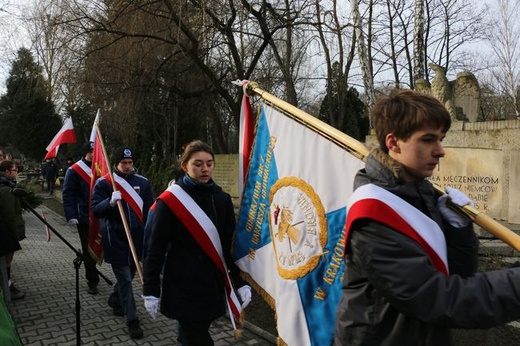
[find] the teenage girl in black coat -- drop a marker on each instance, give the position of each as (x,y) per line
(193,290)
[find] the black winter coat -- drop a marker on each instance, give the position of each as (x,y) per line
(393,295)
(76,196)
(10,218)
(192,286)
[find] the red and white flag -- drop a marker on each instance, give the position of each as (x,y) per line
(65,135)
(94,127)
(246,135)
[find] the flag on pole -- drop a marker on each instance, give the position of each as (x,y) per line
(93,132)
(246,134)
(291,225)
(65,135)
(99,169)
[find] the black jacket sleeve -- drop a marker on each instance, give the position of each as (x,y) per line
(158,244)
(401,271)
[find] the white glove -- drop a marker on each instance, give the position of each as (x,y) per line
(244,293)
(73,222)
(458,198)
(116,196)
(151,305)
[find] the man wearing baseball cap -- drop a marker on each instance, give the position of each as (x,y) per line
(76,203)
(134,193)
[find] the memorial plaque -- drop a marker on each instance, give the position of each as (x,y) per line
(226,173)
(478,173)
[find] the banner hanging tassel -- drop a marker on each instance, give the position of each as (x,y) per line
(47,230)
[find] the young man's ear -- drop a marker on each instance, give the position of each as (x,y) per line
(391,143)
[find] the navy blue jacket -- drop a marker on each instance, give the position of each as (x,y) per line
(76,196)
(115,242)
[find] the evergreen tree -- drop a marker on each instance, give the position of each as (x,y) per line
(28,121)
(343,109)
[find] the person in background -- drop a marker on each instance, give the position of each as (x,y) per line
(12,228)
(50,174)
(63,170)
(411,259)
(193,288)
(135,194)
(76,204)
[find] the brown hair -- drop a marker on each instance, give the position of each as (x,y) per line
(194,147)
(6,165)
(403,112)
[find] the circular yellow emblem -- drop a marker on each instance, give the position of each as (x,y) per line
(298,227)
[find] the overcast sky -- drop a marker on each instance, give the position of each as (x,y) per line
(13,35)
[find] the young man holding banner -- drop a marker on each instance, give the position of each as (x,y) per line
(135,194)
(411,260)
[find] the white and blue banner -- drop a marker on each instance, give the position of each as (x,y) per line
(290,235)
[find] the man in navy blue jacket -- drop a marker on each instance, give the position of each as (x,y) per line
(76,204)
(134,193)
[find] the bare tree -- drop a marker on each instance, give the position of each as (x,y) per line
(54,46)
(334,37)
(418,40)
(195,49)
(368,81)
(451,24)
(504,40)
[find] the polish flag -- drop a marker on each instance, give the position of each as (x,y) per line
(65,135)
(246,135)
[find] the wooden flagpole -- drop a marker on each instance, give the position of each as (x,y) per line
(359,150)
(121,211)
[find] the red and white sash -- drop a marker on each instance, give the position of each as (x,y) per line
(204,231)
(83,170)
(373,202)
(128,193)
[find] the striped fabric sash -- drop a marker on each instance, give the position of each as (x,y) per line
(204,231)
(373,202)
(83,170)
(128,193)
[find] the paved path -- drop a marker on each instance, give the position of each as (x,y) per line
(47,315)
